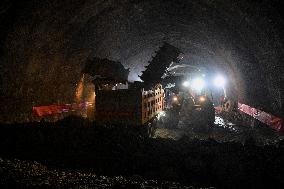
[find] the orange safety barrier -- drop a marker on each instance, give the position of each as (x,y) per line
(266,118)
(47,110)
(57,109)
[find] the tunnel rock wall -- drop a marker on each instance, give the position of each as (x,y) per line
(46,45)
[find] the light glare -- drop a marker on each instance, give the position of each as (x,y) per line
(198,84)
(219,81)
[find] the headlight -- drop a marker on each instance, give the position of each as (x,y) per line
(186,84)
(202,99)
(198,84)
(175,99)
(219,81)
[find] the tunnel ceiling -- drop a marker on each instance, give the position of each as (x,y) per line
(44,46)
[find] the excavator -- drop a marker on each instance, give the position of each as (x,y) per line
(190,99)
(187,95)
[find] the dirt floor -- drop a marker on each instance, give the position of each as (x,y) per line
(224,129)
(31,174)
(93,155)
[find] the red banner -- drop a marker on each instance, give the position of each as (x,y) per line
(266,118)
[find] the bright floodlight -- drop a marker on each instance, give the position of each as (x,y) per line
(198,84)
(186,84)
(219,81)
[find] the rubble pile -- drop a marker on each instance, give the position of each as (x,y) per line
(75,144)
(31,174)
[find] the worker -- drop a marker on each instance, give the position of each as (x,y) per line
(187,111)
(209,111)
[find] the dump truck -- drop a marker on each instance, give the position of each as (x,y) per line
(131,107)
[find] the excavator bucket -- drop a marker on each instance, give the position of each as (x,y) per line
(165,56)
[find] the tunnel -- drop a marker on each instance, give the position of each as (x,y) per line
(49,50)
(45,45)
